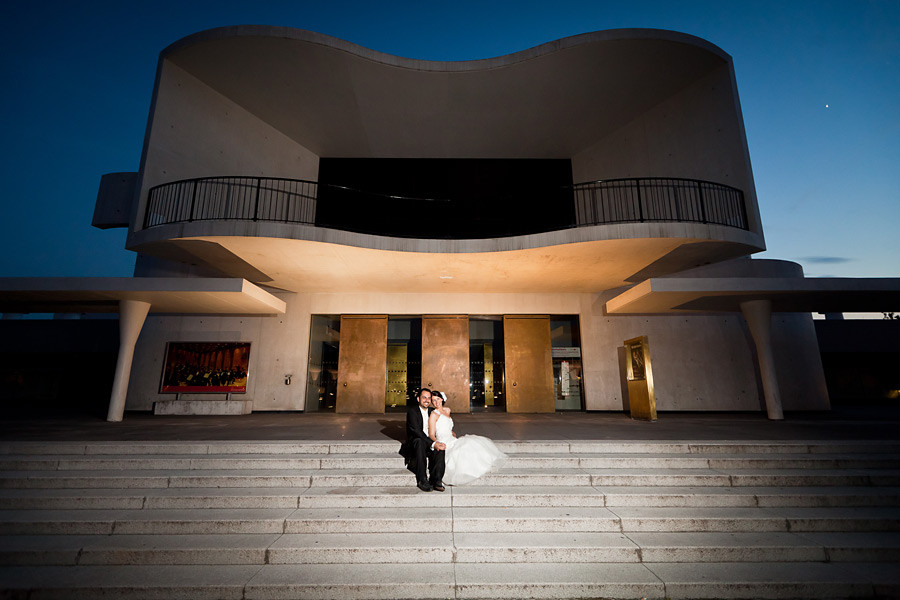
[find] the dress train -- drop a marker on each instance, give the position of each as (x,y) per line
(469,457)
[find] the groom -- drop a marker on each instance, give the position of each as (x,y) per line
(419,447)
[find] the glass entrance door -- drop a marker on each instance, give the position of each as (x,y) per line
(565,337)
(321,378)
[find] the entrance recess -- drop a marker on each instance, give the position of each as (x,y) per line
(486,364)
(529,364)
(362,364)
(445,358)
(404,362)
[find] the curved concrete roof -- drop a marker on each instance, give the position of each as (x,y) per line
(555,100)
(340,99)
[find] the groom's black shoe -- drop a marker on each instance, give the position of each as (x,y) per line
(439,486)
(424,486)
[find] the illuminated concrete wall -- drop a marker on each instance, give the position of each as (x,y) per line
(699,362)
(697,133)
(197,132)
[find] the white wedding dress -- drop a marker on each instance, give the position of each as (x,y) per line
(466,458)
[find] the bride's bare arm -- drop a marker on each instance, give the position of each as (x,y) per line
(432,432)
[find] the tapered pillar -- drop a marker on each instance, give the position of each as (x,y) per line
(758,314)
(132,314)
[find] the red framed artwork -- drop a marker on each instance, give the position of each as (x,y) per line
(206,367)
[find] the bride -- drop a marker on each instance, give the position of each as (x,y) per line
(467,458)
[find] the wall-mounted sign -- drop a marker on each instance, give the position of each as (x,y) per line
(636,354)
(566,352)
(206,367)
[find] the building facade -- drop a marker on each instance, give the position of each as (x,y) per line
(454,225)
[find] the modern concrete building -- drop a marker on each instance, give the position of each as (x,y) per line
(497,229)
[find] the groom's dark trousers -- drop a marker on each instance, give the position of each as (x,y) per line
(420,458)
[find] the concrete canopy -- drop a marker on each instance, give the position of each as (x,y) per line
(786,294)
(133,299)
(567,261)
(342,100)
(757,298)
(164,295)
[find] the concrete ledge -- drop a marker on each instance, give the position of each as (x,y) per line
(203,407)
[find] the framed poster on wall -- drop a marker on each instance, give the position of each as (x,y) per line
(205,367)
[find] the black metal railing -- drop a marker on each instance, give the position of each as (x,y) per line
(607,201)
(232,198)
(659,199)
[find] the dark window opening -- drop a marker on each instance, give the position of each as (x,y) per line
(445,198)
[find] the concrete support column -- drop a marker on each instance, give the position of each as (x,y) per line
(758,314)
(132,314)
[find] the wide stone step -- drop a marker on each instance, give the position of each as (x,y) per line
(47,499)
(445,547)
(402,477)
(664,547)
(741,478)
(177,462)
(423,520)
(688,519)
(157,479)
(363,548)
(196,448)
(796,496)
(155,522)
(606,461)
(842,448)
(462,580)
(662,580)
(354,478)
(196,549)
(443,518)
(344,520)
(410,497)
(799,477)
(148,448)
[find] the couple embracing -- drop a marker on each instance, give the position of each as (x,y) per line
(434,453)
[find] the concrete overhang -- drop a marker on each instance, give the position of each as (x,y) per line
(213,296)
(315,259)
(342,100)
(675,295)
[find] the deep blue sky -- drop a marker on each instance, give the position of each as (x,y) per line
(819,84)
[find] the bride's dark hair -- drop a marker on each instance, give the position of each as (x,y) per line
(439,395)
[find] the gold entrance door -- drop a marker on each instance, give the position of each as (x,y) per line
(362,364)
(445,358)
(529,364)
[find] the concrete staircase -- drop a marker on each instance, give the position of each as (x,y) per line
(344,520)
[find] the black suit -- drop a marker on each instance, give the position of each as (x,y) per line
(417,449)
